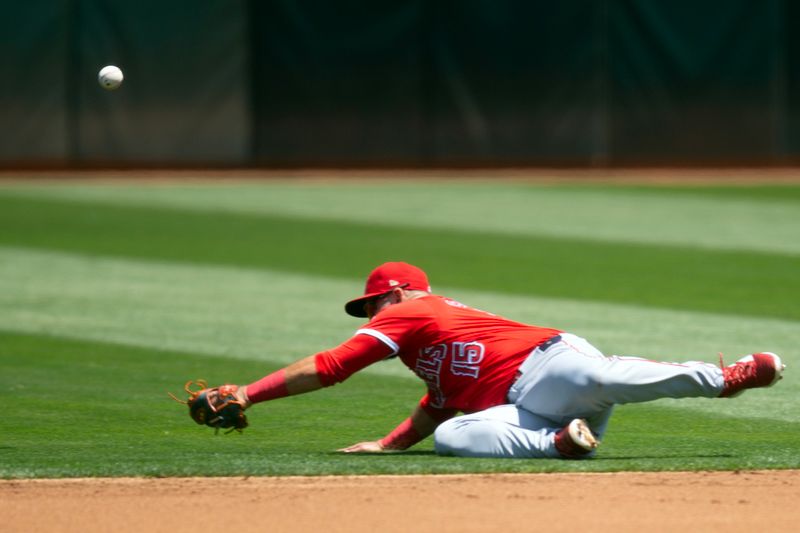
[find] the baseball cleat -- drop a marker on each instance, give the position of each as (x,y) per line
(576,440)
(752,371)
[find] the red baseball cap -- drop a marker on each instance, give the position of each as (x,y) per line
(385,278)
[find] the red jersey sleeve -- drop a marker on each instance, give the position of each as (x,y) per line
(402,326)
(338,364)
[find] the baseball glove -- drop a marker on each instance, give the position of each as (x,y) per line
(217,407)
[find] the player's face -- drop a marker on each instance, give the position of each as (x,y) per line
(378,304)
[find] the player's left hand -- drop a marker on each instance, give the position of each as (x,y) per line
(217,407)
(364,447)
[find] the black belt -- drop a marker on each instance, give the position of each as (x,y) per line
(549,342)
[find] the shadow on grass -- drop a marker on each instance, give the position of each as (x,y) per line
(602,458)
(383,454)
(664,456)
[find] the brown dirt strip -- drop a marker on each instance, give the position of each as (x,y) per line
(623,176)
(655,502)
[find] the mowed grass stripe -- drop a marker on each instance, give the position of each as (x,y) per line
(755,218)
(756,284)
(774,194)
(95,409)
(225,311)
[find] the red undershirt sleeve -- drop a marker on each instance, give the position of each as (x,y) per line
(360,351)
(269,387)
(437,414)
(402,437)
(406,435)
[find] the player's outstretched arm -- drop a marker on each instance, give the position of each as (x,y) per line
(297,378)
(317,371)
(308,374)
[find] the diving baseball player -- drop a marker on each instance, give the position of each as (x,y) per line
(524,390)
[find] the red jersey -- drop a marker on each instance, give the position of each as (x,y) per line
(467,357)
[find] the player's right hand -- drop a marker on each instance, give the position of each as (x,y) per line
(364,447)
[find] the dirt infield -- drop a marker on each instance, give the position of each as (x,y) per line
(727,176)
(703,501)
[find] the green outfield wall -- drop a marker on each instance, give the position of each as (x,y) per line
(282,83)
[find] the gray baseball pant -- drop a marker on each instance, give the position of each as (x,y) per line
(567,380)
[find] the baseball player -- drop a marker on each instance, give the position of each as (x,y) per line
(525,391)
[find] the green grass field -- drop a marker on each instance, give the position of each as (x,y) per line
(112,294)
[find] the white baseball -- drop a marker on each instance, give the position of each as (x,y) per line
(110,77)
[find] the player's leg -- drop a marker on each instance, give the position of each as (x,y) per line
(573,379)
(507,431)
